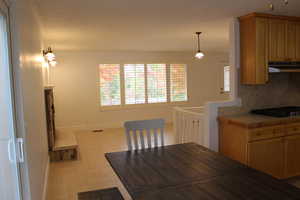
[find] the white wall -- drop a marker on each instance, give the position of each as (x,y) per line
(211,126)
(77,95)
(27,45)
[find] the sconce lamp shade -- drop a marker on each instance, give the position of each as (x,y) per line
(53,63)
(50,57)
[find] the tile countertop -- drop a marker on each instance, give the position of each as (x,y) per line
(256,121)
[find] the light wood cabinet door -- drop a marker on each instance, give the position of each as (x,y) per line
(267,156)
(261,52)
(293,41)
(277,40)
(254,50)
(292,156)
(236,148)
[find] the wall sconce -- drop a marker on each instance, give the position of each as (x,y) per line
(49,57)
(284,3)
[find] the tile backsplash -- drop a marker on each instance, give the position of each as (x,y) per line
(283,89)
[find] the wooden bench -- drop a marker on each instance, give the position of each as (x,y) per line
(65,146)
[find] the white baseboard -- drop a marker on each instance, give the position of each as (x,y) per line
(46,180)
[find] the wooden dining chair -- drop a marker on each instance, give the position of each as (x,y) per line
(144,129)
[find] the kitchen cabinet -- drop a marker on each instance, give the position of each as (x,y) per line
(254,50)
(235,149)
(266,38)
(293,41)
(284,40)
(261,156)
(268,147)
(277,40)
(292,155)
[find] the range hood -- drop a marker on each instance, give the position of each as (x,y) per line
(277,67)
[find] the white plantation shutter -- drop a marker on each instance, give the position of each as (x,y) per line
(131,84)
(227,79)
(156,83)
(178,82)
(110,92)
(134,77)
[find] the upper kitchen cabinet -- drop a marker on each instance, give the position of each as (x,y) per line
(266,38)
(277,40)
(284,40)
(254,49)
(293,41)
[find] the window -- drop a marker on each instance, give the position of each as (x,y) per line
(110,92)
(132,84)
(156,83)
(226,79)
(178,82)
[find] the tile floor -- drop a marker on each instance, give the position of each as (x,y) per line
(91,171)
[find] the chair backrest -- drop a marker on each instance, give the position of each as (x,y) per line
(144,129)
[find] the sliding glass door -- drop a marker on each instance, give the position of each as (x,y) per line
(9,173)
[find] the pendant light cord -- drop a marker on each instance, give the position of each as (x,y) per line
(198,43)
(198,35)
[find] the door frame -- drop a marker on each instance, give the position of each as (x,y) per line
(5,8)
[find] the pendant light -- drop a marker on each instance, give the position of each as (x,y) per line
(199,54)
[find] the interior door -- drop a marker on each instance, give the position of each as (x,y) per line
(9,173)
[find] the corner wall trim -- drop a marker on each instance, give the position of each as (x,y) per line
(46,180)
(211,127)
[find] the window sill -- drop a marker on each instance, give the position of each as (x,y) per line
(141,106)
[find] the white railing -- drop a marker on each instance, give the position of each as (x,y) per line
(189,124)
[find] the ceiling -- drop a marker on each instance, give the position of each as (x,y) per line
(145,25)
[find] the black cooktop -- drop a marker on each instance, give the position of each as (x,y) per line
(289,111)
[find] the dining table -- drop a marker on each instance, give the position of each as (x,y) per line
(193,172)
